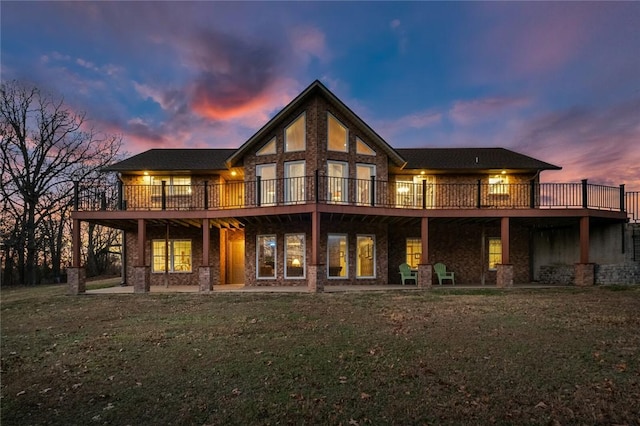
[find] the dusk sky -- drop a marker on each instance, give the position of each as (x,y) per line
(557,81)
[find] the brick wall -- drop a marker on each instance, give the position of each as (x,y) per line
(458,245)
(181,278)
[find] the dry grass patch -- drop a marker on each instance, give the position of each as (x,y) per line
(506,357)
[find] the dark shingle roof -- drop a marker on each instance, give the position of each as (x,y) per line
(470,159)
(187,159)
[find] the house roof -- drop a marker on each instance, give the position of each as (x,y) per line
(187,159)
(470,159)
(313,88)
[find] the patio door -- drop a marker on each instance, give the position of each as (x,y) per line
(236,262)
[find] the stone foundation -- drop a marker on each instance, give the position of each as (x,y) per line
(141,279)
(77,279)
(425,275)
(585,274)
(315,278)
(504,274)
(206,279)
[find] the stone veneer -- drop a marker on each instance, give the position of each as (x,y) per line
(504,275)
(425,275)
(77,280)
(585,274)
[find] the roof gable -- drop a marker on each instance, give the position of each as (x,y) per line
(316,88)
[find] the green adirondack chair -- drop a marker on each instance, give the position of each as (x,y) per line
(407,274)
(441,272)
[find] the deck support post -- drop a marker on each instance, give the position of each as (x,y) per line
(504,276)
(584,271)
(425,269)
(316,270)
(584,274)
(205,273)
(141,272)
(76,275)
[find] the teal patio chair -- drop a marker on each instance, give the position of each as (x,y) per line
(407,274)
(441,272)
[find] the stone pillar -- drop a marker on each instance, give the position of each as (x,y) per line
(585,274)
(315,278)
(77,280)
(206,279)
(141,279)
(504,275)
(425,275)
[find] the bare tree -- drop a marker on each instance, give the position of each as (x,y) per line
(45,148)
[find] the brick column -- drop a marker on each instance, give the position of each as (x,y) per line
(315,278)
(585,274)
(425,275)
(206,279)
(76,278)
(504,275)
(141,279)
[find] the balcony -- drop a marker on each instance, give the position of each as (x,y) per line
(356,192)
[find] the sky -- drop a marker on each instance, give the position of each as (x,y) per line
(559,81)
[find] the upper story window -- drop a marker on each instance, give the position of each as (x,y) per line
(268,184)
(175,185)
(363,148)
(295,135)
(268,148)
(337,136)
(499,184)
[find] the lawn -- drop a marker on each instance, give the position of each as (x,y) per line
(554,356)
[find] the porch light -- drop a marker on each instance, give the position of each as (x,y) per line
(422,172)
(233,173)
(504,172)
(146,173)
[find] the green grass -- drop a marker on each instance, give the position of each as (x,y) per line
(527,357)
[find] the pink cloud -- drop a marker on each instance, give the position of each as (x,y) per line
(308,42)
(470,112)
(532,38)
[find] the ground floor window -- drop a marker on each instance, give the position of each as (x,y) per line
(337,255)
(495,253)
(414,251)
(366,256)
(266,256)
(294,250)
(179,255)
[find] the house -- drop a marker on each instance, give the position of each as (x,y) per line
(316,198)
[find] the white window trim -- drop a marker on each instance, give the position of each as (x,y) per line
(275,148)
(303,261)
(171,256)
(287,182)
(373,237)
(489,239)
(344,194)
(263,199)
(346,145)
(304,138)
(346,256)
(275,257)
(371,167)
(371,154)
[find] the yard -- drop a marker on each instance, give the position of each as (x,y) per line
(554,356)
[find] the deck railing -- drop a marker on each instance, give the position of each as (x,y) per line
(361,192)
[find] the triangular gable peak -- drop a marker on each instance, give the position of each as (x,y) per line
(257,141)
